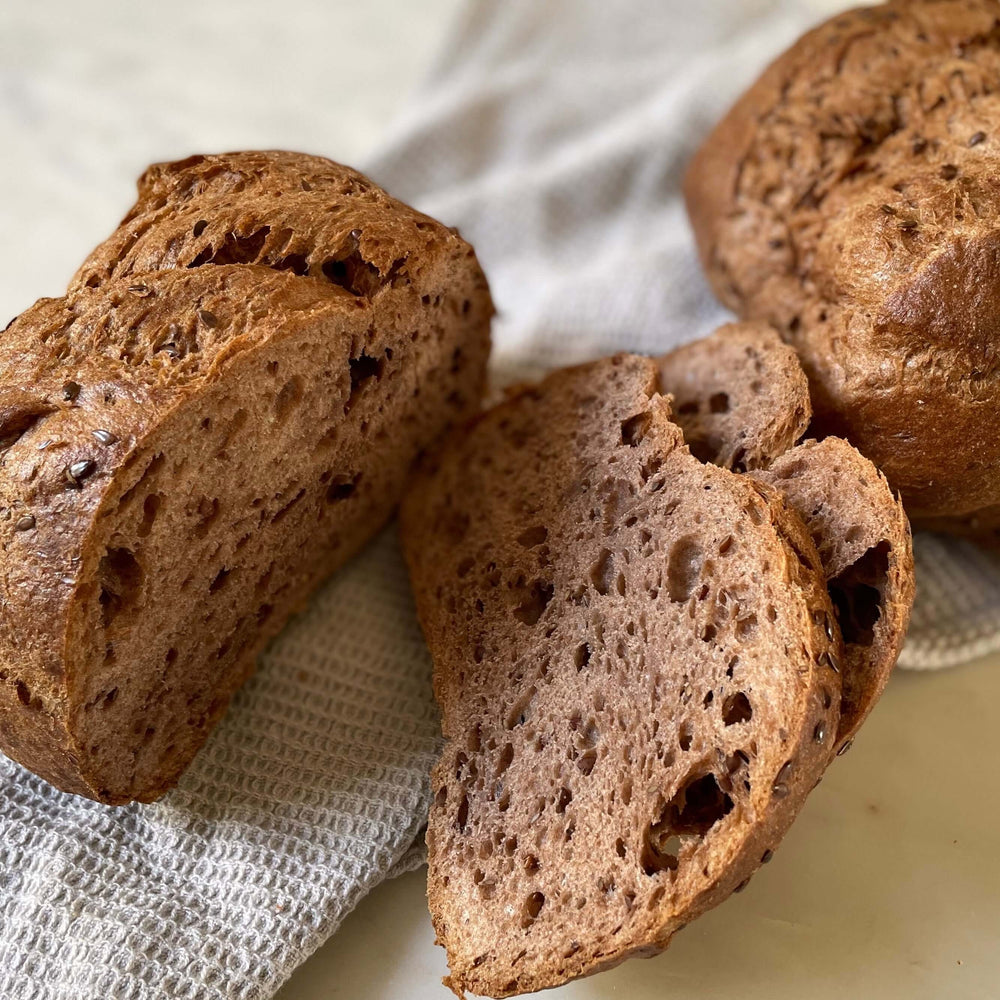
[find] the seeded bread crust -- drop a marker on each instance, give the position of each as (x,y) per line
(633,653)
(186,451)
(864,542)
(849,198)
(740,395)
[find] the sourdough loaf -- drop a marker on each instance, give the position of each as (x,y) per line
(190,446)
(635,659)
(850,199)
(742,393)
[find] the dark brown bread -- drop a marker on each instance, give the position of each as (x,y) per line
(634,656)
(858,525)
(186,453)
(740,395)
(863,539)
(850,199)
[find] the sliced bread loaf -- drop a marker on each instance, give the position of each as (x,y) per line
(743,390)
(740,395)
(187,452)
(634,655)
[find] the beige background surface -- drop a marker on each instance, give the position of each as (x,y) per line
(887,887)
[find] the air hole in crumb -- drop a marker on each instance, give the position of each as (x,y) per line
(341,487)
(221,578)
(533,606)
(691,813)
(363,369)
(685,736)
(521,709)
(746,628)
(587,762)
(634,429)
(620,847)
(736,709)
(506,758)
(582,656)
(533,536)
(857,595)
(718,403)
(462,816)
(23,693)
(684,568)
(532,907)
(120,578)
(601,572)
(564,799)
(287,399)
(207,511)
(150,508)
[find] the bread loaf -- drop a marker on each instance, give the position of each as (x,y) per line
(635,659)
(849,198)
(199,433)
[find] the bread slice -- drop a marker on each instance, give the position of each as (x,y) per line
(740,395)
(186,453)
(864,542)
(634,656)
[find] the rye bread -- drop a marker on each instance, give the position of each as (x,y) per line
(849,198)
(741,392)
(634,657)
(863,538)
(187,451)
(740,395)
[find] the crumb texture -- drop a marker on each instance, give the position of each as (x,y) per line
(189,443)
(740,395)
(634,655)
(850,199)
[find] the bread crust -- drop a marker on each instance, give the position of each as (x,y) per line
(849,199)
(99,385)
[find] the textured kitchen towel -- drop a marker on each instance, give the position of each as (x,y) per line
(311,791)
(555,133)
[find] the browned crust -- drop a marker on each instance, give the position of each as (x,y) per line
(124,334)
(848,199)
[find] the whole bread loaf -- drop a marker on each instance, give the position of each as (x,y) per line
(743,392)
(199,433)
(636,660)
(850,199)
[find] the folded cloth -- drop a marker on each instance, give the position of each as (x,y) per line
(555,133)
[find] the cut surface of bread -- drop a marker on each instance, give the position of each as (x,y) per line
(858,525)
(634,656)
(186,453)
(850,199)
(740,395)
(863,539)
